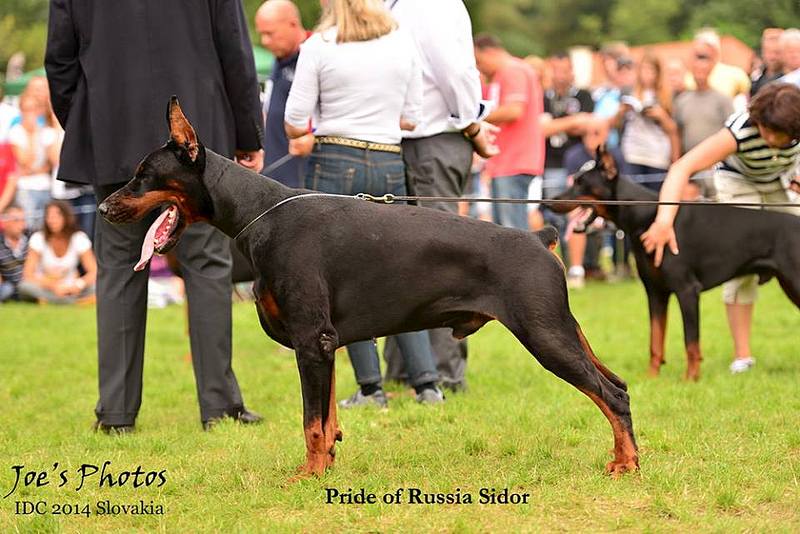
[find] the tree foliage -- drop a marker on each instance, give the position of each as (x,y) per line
(23,27)
(525,26)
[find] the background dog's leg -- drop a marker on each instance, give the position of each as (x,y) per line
(791,286)
(689,301)
(787,269)
(657,303)
(315,362)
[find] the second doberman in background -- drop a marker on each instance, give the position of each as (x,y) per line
(326,265)
(718,243)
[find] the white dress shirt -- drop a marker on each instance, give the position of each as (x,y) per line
(792,77)
(357,89)
(451,88)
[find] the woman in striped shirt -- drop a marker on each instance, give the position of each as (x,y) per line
(757,155)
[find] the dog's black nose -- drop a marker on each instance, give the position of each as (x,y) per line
(102,209)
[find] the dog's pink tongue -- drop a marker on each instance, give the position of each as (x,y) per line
(149,242)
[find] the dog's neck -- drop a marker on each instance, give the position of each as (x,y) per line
(238,194)
(632,218)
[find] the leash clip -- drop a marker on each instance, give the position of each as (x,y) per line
(388,198)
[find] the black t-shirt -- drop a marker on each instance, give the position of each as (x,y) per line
(574,101)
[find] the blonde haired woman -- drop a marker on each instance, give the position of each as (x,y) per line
(356,20)
(359,76)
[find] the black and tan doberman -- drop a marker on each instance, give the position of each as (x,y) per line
(717,243)
(331,270)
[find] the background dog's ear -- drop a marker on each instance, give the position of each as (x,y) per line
(180,130)
(606,163)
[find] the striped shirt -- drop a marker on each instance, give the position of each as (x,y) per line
(12,260)
(754,159)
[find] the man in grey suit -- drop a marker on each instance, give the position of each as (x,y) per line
(438,153)
(112,67)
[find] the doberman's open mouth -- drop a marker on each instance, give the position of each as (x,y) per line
(159,236)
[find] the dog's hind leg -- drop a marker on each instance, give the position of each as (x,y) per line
(565,352)
(605,371)
(790,286)
(542,321)
(787,267)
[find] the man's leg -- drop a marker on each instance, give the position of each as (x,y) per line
(419,360)
(507,214)
(364,358)
(438,166)
(205,259)
(121,316)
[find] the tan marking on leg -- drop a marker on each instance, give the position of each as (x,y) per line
(316,455)
(693,357)
(605,371)
(332,431)
(658,331)
(625,455)
(270,306)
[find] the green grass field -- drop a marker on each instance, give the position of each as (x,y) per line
(722,455)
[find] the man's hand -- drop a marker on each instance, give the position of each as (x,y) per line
(407,125)
(656,237)
(301,146)
(483,141)
(253,160)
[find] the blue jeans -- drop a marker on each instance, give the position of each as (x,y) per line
(33,203)
(511,215)
(347,171)
(85,208)
(7,290)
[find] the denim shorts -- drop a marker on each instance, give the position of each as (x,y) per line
(346,171)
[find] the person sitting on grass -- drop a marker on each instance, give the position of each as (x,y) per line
(13,249)
(51,272)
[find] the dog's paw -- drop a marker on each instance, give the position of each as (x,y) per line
(618,467)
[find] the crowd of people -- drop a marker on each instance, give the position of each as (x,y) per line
(381,98)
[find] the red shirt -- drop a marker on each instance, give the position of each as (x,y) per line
(521,142)
(7,164)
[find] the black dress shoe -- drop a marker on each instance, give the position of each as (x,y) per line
(105,428)
(246,417)
(242,415)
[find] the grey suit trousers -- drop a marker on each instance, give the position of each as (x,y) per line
(204,255)
(438,165)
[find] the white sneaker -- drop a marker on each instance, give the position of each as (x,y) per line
(576,282)
(576,277)
(741,365)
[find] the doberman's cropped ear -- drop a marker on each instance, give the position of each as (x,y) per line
(180,130)
(606,163)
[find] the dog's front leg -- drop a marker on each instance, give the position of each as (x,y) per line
(315,361)
(657,302)
(689,301)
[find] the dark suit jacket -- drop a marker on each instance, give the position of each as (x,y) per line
(112,66)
